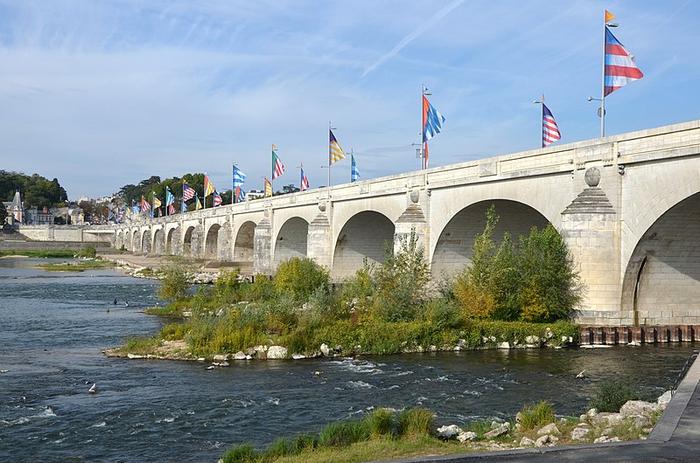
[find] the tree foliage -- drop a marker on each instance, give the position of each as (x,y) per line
(37,191)
(154,184)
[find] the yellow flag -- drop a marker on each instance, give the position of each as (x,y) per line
(268,188)
(608,16)
(156,202)
(197,204)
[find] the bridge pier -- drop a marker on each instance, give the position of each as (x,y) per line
(262,246)
(319,241)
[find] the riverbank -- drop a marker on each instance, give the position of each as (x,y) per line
(199,271)
(409,433)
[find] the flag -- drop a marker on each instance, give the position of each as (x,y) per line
(335,152)
(169,201)
(277,166)
(354,173)
(268,188)
(238,176)
(550,130)
(217,199)
(608,16)
(304,181)
(187,192)
(171,209)
(145,205)
(240,195)
(183,206)
(209,187)
(135,207)
(620,68)
(156,202)
(432,120)
(197,204)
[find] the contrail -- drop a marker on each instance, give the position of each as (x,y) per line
(424,26)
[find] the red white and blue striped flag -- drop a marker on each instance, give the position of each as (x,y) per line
(304,184)
(187,192)
(550,130)
(620,68)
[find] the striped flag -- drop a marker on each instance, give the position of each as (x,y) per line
(620,68)
(550,130)
(145,205)
(156,202)
(268,188)
(240,195)
(187,192)
(354,172)
(277,166)
(217,199)
(238,176)
(169,201)
(197,203)
(209,187)
(432,120)
(335,152)
(304,181)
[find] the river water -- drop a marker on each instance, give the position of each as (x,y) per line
(53,327)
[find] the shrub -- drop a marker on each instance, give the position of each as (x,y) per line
(343,433)
(416,422)
(174,284)
(382,422)
(174,331)
(475,301)
(227,287)
(87,251)
(610,396)
(262,289)
(357,291)
(442,313)
(244,453)
(536,415)
(299,277)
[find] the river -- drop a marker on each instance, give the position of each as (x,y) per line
(53,327)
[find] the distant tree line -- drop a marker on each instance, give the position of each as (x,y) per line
(36,190)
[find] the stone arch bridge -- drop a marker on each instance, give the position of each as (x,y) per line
(627,205)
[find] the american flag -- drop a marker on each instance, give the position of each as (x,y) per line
(304,181)
(187,192)
(550,130)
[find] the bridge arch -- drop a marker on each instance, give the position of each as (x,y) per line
(118,239)
(453,248)
(291,240)
(211,243)
(366,235)
(187,241)
(135,241)
(158,242)
(146,241)
(243,246)
(661,283)
(171,239)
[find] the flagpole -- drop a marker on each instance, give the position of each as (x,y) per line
(542,122)
(272,171)
(330,127)
(602,82)
(422,127)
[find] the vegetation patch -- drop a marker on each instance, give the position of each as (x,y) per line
(78,266)
(40,253)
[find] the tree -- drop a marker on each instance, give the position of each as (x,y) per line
(37,191)
(3,215)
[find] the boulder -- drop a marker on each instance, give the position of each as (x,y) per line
(220,357)
(580,433)
(499,431)
(592,412)
(465,436)
(550,429)
(638,407)
(546,441)
(240,355)
(277,352)
(639,421)
(325,350)
(606,439)
(532,339)
(448,432)
(526,442)
(664,399)
(298,356)
(504,345)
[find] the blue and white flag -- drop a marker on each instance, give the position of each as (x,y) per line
(433,120)
(238,177)
(354,172)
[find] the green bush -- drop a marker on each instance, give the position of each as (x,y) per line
(442,313)
(382,422)
(299,278)
(610,396)
(344,433)
(244,453)
(174,285)
(227,287)
(87,251)
(261,289)
(416,422)
(535,416)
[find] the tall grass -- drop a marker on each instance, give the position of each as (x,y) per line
(536,415)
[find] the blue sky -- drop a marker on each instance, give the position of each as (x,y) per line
(104,93)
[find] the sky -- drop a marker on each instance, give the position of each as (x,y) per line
(104,93)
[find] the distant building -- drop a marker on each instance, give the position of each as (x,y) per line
(35,216)
(15,210)
(254,194)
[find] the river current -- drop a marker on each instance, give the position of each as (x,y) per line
(53,327)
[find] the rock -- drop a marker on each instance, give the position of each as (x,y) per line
(504,345)
(465,436)
(550,429)
(634,343)
(526,442)
(250,351)
(638,407)
(298,356)
(432,348)
(134,356)
(495,424)
(606,439)
(639,421)
(548,333)
(240,355)
(220,357)
(448,432)
(248,357)
(499,431)
(583,418)
(325,350)
(664,399)
(211,367)
(592,412)
(277,352)
(532,339)
(579,433)
(220,364)
(518,418)
(546,441)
